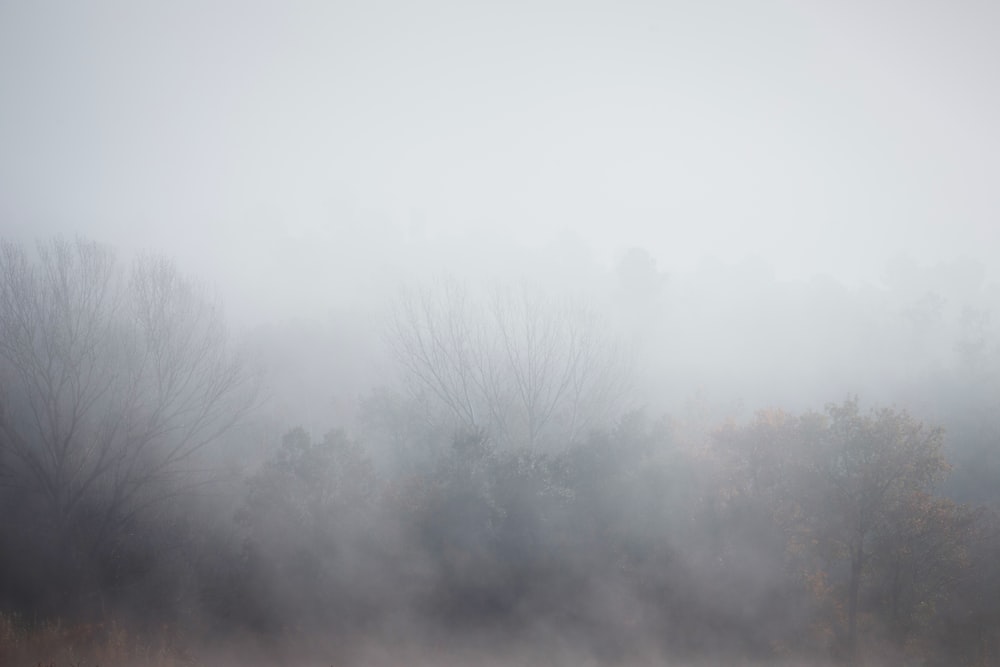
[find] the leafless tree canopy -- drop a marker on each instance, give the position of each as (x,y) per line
(112,378)
(517,364)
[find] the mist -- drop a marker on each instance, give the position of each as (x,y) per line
(477,333)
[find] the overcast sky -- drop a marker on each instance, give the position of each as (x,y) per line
(817,136)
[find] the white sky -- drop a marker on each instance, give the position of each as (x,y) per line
(819,136)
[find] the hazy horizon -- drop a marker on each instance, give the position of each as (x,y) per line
(240,137)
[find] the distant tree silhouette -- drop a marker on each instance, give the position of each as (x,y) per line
(525,367)
(111,380)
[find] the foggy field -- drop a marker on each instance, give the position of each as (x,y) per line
(445,333)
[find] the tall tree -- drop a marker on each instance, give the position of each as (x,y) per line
(525,367)
(918,560)
(862,470)
(111,378)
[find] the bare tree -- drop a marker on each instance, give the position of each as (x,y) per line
(517,364)
(111,379)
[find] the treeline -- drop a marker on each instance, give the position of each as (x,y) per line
(504,494)
(814,535)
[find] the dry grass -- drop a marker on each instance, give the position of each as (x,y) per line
(106,644)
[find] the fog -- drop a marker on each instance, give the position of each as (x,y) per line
(822,139)
(492,333)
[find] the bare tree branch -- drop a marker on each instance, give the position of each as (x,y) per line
(111,378)
(516,363)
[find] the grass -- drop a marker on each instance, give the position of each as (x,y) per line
(53,643)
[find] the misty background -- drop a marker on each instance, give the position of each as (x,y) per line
(308,158)
(757,206)
(280,151)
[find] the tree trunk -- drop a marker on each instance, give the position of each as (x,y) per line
(853,592)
